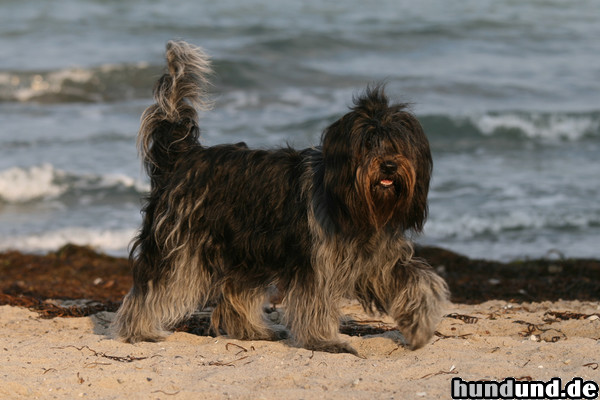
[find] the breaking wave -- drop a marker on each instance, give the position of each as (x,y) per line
(43,182)
(517,126)
(110,241)
(98,84)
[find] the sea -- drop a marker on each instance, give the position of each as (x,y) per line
(508,93)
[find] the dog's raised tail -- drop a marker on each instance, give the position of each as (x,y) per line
(170,126)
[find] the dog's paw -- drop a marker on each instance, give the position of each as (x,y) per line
(144,337)
(279,333)
(417,338)
(270,333)
(334,347)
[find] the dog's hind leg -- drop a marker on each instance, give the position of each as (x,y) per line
(155,305)
(239,313)
(412,294)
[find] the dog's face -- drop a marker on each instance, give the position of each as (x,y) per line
(377,166)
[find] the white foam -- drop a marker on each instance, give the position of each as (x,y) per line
(21,185)
(53,82)
(25,184)
(110,241)
(92,181)
(27,86)
(470,226)
(518,222)
(540,126)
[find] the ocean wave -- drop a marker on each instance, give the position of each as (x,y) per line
(468,227)
(537,126)
(110,241)
(549,126)
(115,82)
(19,185)
(43,182)
(96,84)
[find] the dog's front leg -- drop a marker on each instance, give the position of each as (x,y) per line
(417,296)
(312,316)
(411,293)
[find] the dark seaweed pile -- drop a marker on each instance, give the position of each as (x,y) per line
(75,272)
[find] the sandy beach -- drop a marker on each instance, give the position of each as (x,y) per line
(56,309)
(77,358)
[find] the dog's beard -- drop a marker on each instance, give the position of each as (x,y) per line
(387,191)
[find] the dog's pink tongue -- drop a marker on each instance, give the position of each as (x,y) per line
(386,182)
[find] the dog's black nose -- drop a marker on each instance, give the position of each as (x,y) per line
(389,167)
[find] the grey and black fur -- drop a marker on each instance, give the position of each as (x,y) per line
(224,223)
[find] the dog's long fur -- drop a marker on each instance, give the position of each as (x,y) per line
(223,223)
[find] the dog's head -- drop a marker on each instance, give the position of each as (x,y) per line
(377,166)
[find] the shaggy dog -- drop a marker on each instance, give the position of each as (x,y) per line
(222,224)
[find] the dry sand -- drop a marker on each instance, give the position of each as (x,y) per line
(75,358)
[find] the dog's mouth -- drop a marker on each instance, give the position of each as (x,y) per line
(386,183)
